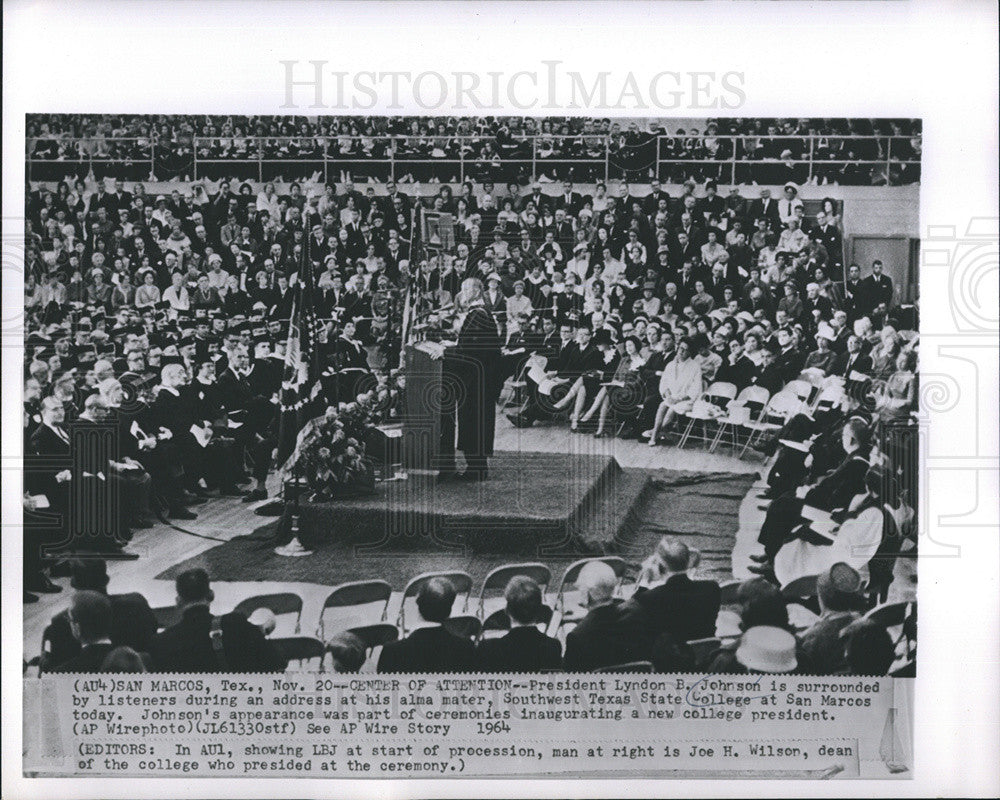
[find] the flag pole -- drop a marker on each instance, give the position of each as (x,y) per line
(295,548)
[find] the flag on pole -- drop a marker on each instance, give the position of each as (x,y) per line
(300,397)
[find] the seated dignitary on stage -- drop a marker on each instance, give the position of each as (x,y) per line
(856,534)
(202,642)
(684,608)
(832,491)
(132,621)
(614,631)
(525,648)
(178,408)
(431,647)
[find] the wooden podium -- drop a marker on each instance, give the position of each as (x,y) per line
(422,418)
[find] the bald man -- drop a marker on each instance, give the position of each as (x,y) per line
(614,631)
(684,608)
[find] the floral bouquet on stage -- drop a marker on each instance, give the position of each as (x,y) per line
(329,456)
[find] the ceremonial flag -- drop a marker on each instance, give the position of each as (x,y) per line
(300,396)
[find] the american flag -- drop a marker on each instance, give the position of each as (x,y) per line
(301,392)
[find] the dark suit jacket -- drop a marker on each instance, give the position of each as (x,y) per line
(616,633)
(684,608)
(845,363)
(89,659)
(524,649)
(187,646)
(428,650)
(132,625)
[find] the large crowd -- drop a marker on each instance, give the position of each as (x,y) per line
(820,151)
(624,311)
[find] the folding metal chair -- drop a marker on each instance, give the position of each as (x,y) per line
(775,414)
(703,648)
(892,615)
(567,584)
(742,410)
(301,648)
(355,594)
(496,581)
(278,604)
(800,589)
(707,409)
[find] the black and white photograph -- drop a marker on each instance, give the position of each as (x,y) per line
(490,436)
(471,394)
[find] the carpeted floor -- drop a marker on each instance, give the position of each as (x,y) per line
(701,508)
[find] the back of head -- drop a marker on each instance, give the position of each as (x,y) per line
(91,616)
(435,599)
(676,555)
(89,573)
(348,652)
(765,610)
(524,600)
(869,648)
(123,659)
(839,588)
(193,587)
(597,581)
(755,588)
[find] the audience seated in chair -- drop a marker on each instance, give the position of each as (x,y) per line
(132,620)
(431,647)
(201,642)
(839,591)
(675,604)
(524,648)
(614,631)
(90,621)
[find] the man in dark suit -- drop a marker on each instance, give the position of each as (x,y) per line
(243,403)
(853,360)
(767,208)
(684,608)
(569,200)
(90,622)
(132,622)
(876,289)
(431,648)
(525,648)
(614,631)
(201,642)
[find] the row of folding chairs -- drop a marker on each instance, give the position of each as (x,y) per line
(365,604)
(753,413)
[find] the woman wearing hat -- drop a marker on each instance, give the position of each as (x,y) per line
(822,357)
(519,306)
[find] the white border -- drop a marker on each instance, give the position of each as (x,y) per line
(925,58)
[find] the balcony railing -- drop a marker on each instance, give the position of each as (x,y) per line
(851,160)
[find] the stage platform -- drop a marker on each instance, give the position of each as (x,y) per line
(547,504)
